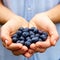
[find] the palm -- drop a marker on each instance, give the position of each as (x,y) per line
(8,30)
(42,22)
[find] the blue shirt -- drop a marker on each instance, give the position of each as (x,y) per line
(27,9)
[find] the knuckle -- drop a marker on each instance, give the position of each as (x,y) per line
(57,37)
(42,50)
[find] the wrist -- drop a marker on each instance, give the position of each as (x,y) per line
(54,14)
(52,17)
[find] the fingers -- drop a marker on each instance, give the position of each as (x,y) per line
(41,50)
(28,55)
(5,36)
(20,51)
(31,51)
(33,46)
(16,53)
(54,35)
(40,46)
(24,48)
(45,44)
(17,46)
(14,46)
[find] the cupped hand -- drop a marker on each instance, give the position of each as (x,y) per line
(8,29)
(43,22)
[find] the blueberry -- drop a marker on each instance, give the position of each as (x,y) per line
(45,33)
(35,30)
(35,39)
(40,39)
(18,41)
(32,36)
(37,35)
(32,29)
(27,43)
(40,32)
(19,33)
(15,35)
(29,40)
(25,34)
(26,30)
(21,38)
(21,29)
(22,41)
(14,39)
(31,32)
(43,37)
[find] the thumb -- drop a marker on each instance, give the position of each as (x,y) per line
(5,36)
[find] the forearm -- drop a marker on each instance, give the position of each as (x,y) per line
(5,14)
(54,14)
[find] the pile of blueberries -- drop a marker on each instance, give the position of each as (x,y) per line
(27,36)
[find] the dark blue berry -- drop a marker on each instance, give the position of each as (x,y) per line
(29,40)
(27,43)
(19,33)
(32,28)
(18,41)
(21,29)
(21,38)
(35,39)
(35,30)
(15,35)
(22,42)
(26,30)
(28,36)
(14,39)
(31,32)
(37,35)
(25,34)
(31,36)
(40,32)
(40,39)
(45,33)
(43,37)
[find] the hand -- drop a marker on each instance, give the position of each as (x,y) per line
(43,22)
(8,29)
